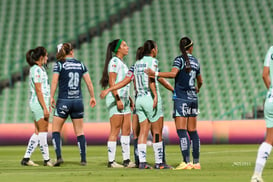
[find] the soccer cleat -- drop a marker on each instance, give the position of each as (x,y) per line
(83,163)
(196,166)
(27,162)
(144,165)
(48,163)
(114,164)
(162,166)
(184,165)
(256,178)
(58,162)
(127,163)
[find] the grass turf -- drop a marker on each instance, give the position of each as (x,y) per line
(219,163)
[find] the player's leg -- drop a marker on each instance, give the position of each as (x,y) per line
(195,141)
(266,147)
(57,125)
(42,126)
(115,126)
(78,130)
(125,140)
(135,127)
(32,144)
(142,144)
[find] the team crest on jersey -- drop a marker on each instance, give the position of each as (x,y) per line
(114,65)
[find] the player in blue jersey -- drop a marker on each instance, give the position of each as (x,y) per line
(186,70)
(68,73)
(117,102)
(266,147)
(39,104)
(135,124)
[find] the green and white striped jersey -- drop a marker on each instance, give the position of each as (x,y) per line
(38,74)
(268,62)
(141,78)
(117,66)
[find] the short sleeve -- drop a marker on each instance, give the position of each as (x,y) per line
(178,63)
(155,65)
(84,69)
(57,67)
(130,72)
(37,75)
(268,57)
(113,66)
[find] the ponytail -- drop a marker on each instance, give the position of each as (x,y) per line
(185,44)
(34,55)
(139,53)
(63,51)
(111,48)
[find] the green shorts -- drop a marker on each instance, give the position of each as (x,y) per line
(144,108)
(268,112)
(113,109)
(37,110)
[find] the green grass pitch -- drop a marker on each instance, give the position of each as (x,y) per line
(233,163)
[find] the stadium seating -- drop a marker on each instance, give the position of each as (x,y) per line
(230,40)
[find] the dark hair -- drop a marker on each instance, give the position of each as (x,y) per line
(109,54)
(65,50)
(147,48)
(33,55)
(185,44)
(139,52)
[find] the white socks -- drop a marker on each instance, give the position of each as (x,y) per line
(112,146)
(263,154)
(32,144)
(158,151)
(142,152)
(125,145)
(44,145)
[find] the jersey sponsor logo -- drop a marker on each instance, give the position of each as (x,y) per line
(70,65)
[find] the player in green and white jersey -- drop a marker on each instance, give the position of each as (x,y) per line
(117,102)
(148,106)
(266,147)
(39,104)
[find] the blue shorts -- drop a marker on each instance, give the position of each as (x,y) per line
(185,108)
(72,107)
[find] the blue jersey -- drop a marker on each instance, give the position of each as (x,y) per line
(70,73)
(184,81)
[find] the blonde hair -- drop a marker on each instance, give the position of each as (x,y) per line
(64,51)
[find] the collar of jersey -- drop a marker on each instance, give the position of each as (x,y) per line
(69,58)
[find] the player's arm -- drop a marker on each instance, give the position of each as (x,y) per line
(153,89)
(119,85)
(112,78)
(90,88)
(266,77)
(171,74)
(199,83)
(54,83)
(165,83)
(38,90)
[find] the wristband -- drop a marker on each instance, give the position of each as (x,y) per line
(117,97)
(156,74)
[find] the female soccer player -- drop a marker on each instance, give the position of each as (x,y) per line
(39,104)
(135,124)
(186,70)
(118,102)
(68,72)
(266,147)
(148,106)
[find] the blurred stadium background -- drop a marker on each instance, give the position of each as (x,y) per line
(231,39)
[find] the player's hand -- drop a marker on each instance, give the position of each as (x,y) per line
(103,93)
(46,114)
(155,102)
(120,105)
(149,72)
(52,102)
(92,102)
